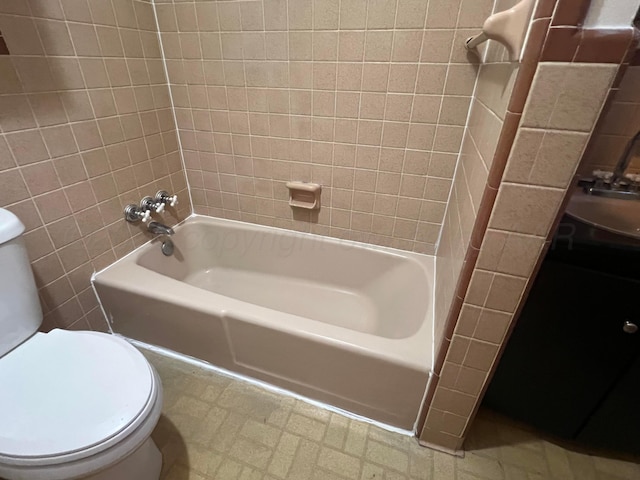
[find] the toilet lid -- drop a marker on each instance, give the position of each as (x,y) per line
(65,391)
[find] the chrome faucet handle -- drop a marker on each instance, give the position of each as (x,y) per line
(133,213)
(149,203)
(166,198)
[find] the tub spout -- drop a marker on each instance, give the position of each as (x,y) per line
(160,229)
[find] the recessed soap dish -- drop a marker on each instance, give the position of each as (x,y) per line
(304,195)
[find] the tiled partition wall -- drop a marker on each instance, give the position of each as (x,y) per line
(367,97)
(85,128)
(496,80)
(534,161)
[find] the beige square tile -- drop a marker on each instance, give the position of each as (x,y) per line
(431,78)
(347,104)
(492,326)
(276,46)
(395,134)
(375,77)
(372,106)
(251,16)
(448,138)
(454,110)
(59,141)
(14,187)
(381,14)
(398,107)
(16,113)
(370,132)
(411,14)
(443,13)
(326,14)
(402,77)
(509,253)
(388,183)
(48,109)
(416,162)
(409,208)
(324,76)
(421,136)
(461,79)
(300,102)
(301,74)
(275,14)
(367,157)
(346,130)
(436,46)
(253,46)
(378,46)
(229,16)
(27,147)
(525,209)
(349,76)
(353,14)
(412,186)
(567,96)
(324,103)
(351,46)
(206,16)
(76,10)
(325,46)
(300,45)
(426,108)
(505,293)
(437,189)
(55,38)
(545,158)
(432,212)
(300,15)
(85,39)
(363,202)
(406,46)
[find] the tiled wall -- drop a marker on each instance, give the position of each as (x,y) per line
(85,128)
(562,108)
(367,97)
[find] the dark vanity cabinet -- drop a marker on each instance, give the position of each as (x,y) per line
(572,364)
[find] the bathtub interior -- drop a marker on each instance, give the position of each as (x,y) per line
(303,275)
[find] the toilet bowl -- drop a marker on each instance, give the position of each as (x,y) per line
(73,405)
(80,405)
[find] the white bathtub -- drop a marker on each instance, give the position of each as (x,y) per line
(340,322)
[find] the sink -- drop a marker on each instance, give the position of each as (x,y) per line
(611,214)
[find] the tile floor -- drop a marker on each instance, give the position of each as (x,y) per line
(215,427)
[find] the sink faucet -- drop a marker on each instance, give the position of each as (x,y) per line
(159,229)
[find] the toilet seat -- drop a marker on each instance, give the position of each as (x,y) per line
(57,411)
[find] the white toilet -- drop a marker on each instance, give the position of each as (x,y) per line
(72,404)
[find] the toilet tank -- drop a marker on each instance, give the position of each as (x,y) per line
(20,312)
